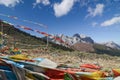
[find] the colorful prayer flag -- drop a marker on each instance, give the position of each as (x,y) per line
(26,28)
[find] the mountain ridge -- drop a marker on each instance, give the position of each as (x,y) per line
(87,44)
(81,38)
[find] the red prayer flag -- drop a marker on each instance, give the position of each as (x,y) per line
(26,28)
(44,33)
(59,39)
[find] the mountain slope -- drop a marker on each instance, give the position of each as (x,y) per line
(21,39)
(84,47)
(16,35)
(102,49)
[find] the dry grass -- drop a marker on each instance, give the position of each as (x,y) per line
(75,59)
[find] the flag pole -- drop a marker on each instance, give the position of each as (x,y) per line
(47,42)
(2,32)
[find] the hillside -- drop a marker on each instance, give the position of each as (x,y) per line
(23,40)
(85,47)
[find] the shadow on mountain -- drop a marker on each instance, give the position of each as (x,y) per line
(101,49)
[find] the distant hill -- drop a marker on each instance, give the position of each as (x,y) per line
(112,44)
(102,49)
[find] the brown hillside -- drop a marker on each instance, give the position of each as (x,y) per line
(84,47)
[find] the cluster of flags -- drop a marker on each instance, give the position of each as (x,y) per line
(43,33)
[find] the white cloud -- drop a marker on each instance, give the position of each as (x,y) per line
(94,24)
(97,11)
(112,21)
(63,8)
(9,3)
(44,2)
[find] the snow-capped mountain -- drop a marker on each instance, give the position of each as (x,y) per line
(77,38)
(83,38)
(112,44)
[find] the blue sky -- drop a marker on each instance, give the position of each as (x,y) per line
(99,19)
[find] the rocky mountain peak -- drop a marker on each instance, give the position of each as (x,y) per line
(83,38)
